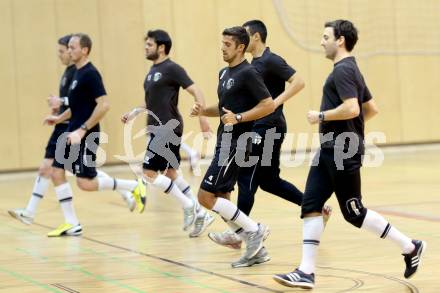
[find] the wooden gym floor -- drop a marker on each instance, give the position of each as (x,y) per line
(130,252)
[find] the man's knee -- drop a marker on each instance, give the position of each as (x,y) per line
(354,212)
(86,184)
(45,169)
(150,175)
(171,173)
(58,176)
(206,199)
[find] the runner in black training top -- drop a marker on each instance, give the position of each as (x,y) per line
(266,173)
(346,104)
(41,184)
(243,98)
(165,127)
(76,149)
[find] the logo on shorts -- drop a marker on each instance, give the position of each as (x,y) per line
(209,180)
(257,139)
(229,83)
(157,76)
(74,83)
(148,77)
(147,160)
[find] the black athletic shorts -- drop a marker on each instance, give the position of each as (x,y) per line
(52,143)
(161,155)
(79,159)
(222,174)
(324,178)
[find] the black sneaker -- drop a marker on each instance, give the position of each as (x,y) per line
(296,278)
(413,259)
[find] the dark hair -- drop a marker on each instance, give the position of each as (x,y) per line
(346,29)
(84,41)
(161,37)
(257,26)
(64,40)
(239,34)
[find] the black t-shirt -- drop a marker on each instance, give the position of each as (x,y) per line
(275,72)
(85,88)
(345,81)
(161,86)
(65,82)
(240,89)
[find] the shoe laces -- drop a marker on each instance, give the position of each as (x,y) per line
(198,224)
(252,235)
(188,211)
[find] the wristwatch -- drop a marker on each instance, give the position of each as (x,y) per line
(84,127)
(321,116)
(238,117)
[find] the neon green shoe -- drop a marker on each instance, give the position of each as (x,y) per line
(66,229)
(139,194)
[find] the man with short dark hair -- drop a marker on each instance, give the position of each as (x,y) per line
(76,150)
(346,104)
(243,98)
(42,181)
(270,132)
(165,127)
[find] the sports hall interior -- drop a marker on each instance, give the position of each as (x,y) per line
(399,55)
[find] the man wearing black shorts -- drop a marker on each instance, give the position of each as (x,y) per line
(243,98)
(42,181)
(165,127)
(266,146)
(346,104)
(59,104)
(76,149)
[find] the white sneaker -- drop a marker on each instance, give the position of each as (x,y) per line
(129,200)
(261,257)
(201,223)
(22,215)
(255,241)
(189,216)
(227,238)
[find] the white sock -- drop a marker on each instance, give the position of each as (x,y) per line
(229,211)
(65,197)
(312,231)
(108,183)
(40,188)
(378,225)
(126,194)
(232,226)
(187,149)
(237,230)
(102,174)
(186,190)
(164,183)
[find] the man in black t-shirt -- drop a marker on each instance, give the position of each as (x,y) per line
(243,98)
(165,127)
(346,104)
(76,149)
(42,181)
(270,132)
